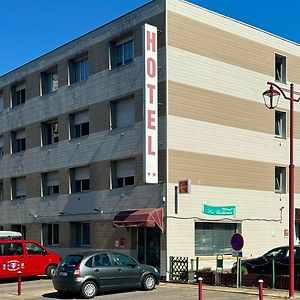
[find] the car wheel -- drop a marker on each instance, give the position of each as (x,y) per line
(149,283)
(89,290)
(50,271)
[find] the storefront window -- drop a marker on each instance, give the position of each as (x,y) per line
(213,238)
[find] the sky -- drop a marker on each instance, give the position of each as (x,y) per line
(31,28)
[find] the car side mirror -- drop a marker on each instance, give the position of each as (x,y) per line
(44,252)
(132,265)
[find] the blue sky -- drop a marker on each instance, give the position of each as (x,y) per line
(30,28)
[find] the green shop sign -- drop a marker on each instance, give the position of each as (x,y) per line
(218,210)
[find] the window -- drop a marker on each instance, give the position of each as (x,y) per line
(19,228)
(53,234)
(14,248)
(82,234)
(121,52)
(1,102)
(280,124)
(122,113)
(49,81)
(1,146)
(18,141)
(18,188)
(280,180)
(80,180)
(17,95)
(79,70)
(122,260)
(123,173)
(1,190)
(50,183)
(34,249)
(213,238)
(80,125)
(101,260)
(49,132)
(280,68)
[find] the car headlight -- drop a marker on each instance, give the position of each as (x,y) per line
(155,270)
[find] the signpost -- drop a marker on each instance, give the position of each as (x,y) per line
(237,243)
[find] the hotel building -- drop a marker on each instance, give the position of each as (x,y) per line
(149,135)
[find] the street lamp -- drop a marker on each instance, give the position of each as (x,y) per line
(271,98)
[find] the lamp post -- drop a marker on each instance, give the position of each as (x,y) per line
(271,98)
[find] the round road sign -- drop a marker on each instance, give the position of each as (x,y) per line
(237,242)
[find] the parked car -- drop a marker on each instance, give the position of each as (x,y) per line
(91,272)
(263,264)
(27,256)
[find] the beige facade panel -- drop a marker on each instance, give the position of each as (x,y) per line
(98,57)
(64,234)
(63,72)
(213,107)
(33,185)
(199,38)
(6,143)
(33,135)
(33,232)
(104,235)
(63,127)
(209,170)
(33,85)
(99,114)
(64,181)
(99,175)
(230,25)
(6,97)
(6,189)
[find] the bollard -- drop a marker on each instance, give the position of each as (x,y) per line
(200,279)
(261,289)
(19,283)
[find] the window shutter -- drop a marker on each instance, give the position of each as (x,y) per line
(82,117)
(82,173)
(52,179)
(125,168)
(20,134)
(125,113)
(20,186)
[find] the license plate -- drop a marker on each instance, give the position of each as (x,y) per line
(62,273)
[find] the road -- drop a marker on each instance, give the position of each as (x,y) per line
(43,289)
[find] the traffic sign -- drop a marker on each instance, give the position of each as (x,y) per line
(237,242)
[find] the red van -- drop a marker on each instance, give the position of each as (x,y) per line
(27,256)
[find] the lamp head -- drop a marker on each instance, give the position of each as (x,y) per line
(271,97)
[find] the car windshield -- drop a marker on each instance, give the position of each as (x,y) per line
(72,260)
(276,253)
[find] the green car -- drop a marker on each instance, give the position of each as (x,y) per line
(89,273)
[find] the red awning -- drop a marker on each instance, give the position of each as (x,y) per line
(146,217)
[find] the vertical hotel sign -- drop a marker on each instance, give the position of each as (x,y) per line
(150,104)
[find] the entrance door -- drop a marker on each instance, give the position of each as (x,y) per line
(149,246)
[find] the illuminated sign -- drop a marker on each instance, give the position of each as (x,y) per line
(218,210)
(150,104)
(184,186)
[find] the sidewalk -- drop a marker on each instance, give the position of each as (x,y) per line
(274,293)
(269,293)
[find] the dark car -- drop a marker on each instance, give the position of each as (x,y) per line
(263,264)
(98,271)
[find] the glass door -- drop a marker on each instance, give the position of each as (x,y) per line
(149,246)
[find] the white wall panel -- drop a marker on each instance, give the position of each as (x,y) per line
(203,72)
